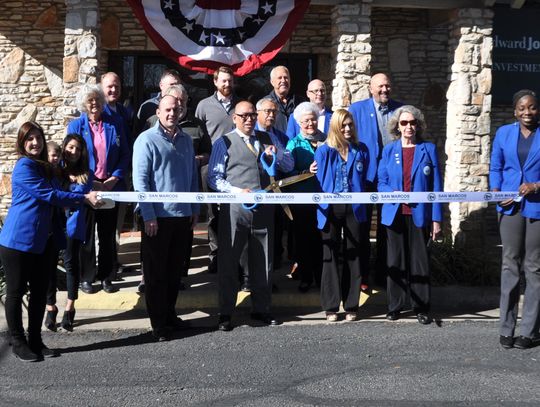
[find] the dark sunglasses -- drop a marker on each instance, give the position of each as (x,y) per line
(245,116)
(406,122)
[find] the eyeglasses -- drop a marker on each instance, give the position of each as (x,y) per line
(315,91)
(308,121)
(404,123)
(268,111)
(245,116)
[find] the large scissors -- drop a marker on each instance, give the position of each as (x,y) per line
(275,186)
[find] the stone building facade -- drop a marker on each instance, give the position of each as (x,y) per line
(439,58)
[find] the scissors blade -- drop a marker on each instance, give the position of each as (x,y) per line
(293,180)
(285,207)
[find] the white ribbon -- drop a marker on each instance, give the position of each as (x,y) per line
(306,198)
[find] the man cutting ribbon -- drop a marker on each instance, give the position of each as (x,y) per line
(235,167)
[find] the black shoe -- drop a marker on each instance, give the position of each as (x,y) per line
(265,318)
(67,320)
(50,320)
(224,323)
(178,324)
(507,342)
(275,288)
(522,342)
(141,288)
(108,287)
(304,287)
(22,351)
(87,288)
(393,315)
(423,318)
(160,335)
(42,351)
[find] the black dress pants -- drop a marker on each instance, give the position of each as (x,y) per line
(24,270)
(105,219)
(408,265)
(341,283)
(163,257)
(308,243)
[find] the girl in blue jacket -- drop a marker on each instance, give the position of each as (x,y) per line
(341,164)
(409,164)
(77,178)
(29,237)
(515,166)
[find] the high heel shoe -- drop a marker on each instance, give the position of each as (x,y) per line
(67,320)
(50,320)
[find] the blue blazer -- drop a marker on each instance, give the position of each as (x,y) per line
(425,176)
(118,154)
(506,174)
(367,128)
(293,128)
(122,116)
(29,221)
(328,161)
(76,217)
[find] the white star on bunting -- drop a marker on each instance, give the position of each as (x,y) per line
(267,8)
(169,4)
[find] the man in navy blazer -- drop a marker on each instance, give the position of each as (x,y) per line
(316,93)
(370,118)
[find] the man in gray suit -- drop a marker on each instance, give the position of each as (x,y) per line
(235,168)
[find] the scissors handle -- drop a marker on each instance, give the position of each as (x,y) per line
(270,169)
(254,204)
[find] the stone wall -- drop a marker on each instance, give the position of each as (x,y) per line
(468,144)
(31,51)
(413,49)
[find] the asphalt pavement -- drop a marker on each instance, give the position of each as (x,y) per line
(455,363)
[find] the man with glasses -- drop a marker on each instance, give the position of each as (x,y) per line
(316,93)
(370,119)
(235,168)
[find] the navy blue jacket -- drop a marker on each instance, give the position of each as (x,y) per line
(425,176)
(506,174)
(328,161)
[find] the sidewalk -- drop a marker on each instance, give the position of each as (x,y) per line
(125,309)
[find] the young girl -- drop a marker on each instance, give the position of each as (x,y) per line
(79,180)
(54,154)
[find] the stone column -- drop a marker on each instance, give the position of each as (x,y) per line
(80,49)
(351,51)
(468,122)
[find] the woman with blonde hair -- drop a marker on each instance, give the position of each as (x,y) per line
(340,165)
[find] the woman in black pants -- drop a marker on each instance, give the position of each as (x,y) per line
(29,237)
(341,164)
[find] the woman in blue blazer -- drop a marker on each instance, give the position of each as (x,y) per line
(29,237)
(515,166)
(409,164)
(109,158)
(341,164)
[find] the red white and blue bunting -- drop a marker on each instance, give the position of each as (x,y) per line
(204,34)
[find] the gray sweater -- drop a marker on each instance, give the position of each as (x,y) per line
(217,120)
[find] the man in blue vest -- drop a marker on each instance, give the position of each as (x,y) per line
(370,118)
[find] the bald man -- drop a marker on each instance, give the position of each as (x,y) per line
(370,118)
(316,93)
(235,168)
